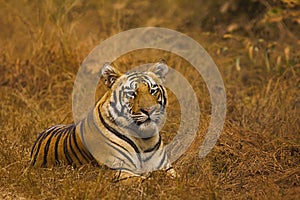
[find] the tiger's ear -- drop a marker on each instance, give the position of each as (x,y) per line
(160,69)
(109,74)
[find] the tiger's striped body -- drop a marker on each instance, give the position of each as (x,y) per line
(60,144)
(122,131)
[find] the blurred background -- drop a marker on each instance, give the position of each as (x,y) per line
(255,44)
(29,26)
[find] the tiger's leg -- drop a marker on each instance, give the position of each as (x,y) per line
(128,178)
(172,173)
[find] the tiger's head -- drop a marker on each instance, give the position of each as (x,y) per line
(136,101)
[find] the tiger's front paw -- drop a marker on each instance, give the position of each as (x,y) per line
(172,173)
(128,178)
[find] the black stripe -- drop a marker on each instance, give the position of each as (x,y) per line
(56,148)
(86,157)
(46,148)
(121,152)
(35,143)
(132,76)
(64,131)
(114,104)
(40,136)
(155,147)
(72,149)
(119,95)
(164,96)
(82,132)
(147,80)
(65,145)
(39,141)
(82,128)
(162,93)
(115,97)
(116,111)
(100,132)
(149,157)
(119,135)
(122,105)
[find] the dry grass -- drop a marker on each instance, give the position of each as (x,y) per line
(42,46)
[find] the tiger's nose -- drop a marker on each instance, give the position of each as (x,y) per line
(148,111)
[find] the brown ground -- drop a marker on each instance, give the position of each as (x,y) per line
(255,45)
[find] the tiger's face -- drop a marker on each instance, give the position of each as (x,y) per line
(137,100)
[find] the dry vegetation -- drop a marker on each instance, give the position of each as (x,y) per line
(255,45)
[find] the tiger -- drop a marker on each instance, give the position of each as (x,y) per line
(127,120)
